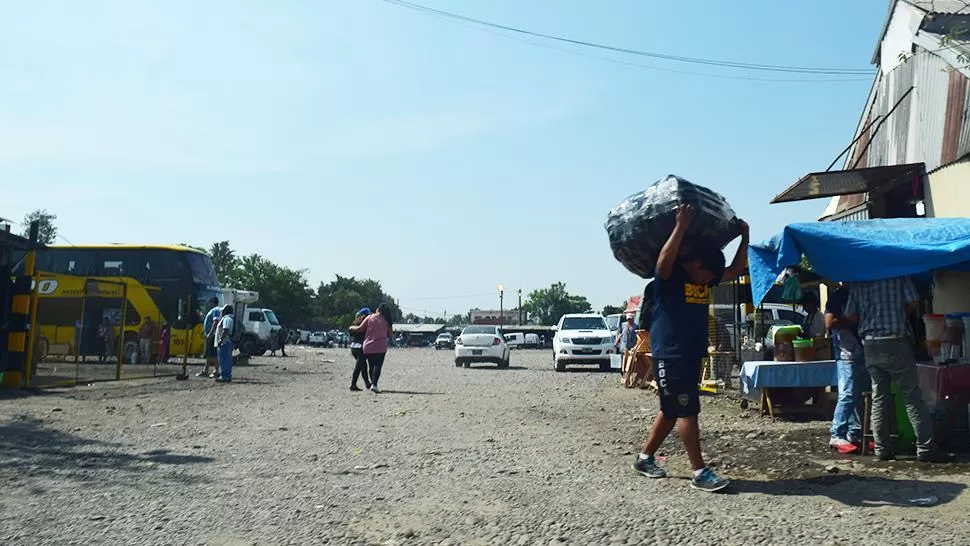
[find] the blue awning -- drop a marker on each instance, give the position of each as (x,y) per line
(862,251)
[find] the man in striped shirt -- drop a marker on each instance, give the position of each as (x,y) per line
(882,308)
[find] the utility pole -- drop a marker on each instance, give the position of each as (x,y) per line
(501,301)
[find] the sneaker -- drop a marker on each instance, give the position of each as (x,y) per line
(213,375)
(221,380)
(375,389)
(935,456)
(648,467)
(202,374)
(843,446)
(354,388)
(885,456)
(709,481)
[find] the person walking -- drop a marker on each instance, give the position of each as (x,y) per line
(209,323)
(881,309)
(377,331)
(357,351)
(224,344)
(146,335)
(679,340)
(850,364)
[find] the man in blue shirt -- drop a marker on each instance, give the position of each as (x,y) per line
(679,341)
(853,377)
(209,328)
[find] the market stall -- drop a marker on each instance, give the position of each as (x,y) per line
(872,250)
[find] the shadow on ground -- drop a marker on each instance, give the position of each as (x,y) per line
(28,449)
(861,491)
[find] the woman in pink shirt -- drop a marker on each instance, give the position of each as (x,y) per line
(377,331)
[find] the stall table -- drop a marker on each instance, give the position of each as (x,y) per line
(767,381)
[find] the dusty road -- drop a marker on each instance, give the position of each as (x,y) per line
(287,455)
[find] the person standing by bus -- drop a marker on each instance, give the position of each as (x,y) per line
(145,337)
(209,323)
(163,341)
(103,330)
(224,344)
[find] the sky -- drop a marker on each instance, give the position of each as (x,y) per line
(365,139)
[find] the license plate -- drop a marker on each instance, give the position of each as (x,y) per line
(585,351)
(477,352)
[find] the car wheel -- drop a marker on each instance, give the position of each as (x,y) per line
(458,363)
(560,366)
(467,364)
(605,367)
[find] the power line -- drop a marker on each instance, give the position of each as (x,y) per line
(657,68)
(464,296)
(642,53)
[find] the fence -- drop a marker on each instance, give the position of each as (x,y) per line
(88,330)
(725,331)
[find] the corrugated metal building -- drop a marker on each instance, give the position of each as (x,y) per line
(915,120)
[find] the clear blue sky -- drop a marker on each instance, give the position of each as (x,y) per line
(315,132)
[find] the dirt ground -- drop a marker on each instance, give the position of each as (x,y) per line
(287,455)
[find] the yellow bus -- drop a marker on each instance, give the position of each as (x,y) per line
(164,283)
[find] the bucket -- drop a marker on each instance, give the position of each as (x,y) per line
(804,350)
(782,338)
(935,330)
(953,341)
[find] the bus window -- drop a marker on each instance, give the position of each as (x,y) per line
(163,267)
(201,267)
(120,263)
(67,261)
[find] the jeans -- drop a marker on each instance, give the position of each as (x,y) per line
(853,380)
(376,362)
(360,366)
(225,361)
(891,360)
(146,351)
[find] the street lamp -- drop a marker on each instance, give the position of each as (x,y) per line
(501,307)
(520,307)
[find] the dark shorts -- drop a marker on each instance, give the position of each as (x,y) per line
(210,349)
(678,383)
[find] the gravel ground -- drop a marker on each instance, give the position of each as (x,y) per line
(287,455)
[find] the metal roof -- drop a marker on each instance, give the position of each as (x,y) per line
(948,7)
(418,328)
(832,183)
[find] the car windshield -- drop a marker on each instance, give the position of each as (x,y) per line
(271,317)
(444,336)
(584,323)
(479,330)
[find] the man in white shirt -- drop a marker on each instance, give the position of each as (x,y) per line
(224,344)
(814,323)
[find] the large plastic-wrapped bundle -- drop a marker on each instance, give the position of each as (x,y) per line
(640,225)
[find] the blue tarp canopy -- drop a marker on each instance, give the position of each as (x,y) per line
(867,250)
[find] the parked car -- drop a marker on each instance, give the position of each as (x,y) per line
(582,339)
(318,339)
(482,344)
(444,341)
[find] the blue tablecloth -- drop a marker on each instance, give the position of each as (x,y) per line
(758,375)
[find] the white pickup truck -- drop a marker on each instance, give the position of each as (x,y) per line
(259,325)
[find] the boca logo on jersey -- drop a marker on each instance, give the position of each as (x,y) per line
(697,293)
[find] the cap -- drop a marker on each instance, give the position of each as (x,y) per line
(364,311)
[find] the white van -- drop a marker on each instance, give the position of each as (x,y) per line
(515,341)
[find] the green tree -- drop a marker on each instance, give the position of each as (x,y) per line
(459,319)
(339,300)
(48,231)
(411,318)
(613,310)
(549,304)
(225,262)
(286,291)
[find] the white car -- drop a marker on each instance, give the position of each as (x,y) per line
(482,344)
(583,339)
(444,341)
(317,339)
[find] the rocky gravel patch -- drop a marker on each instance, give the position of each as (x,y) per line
(287,455)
